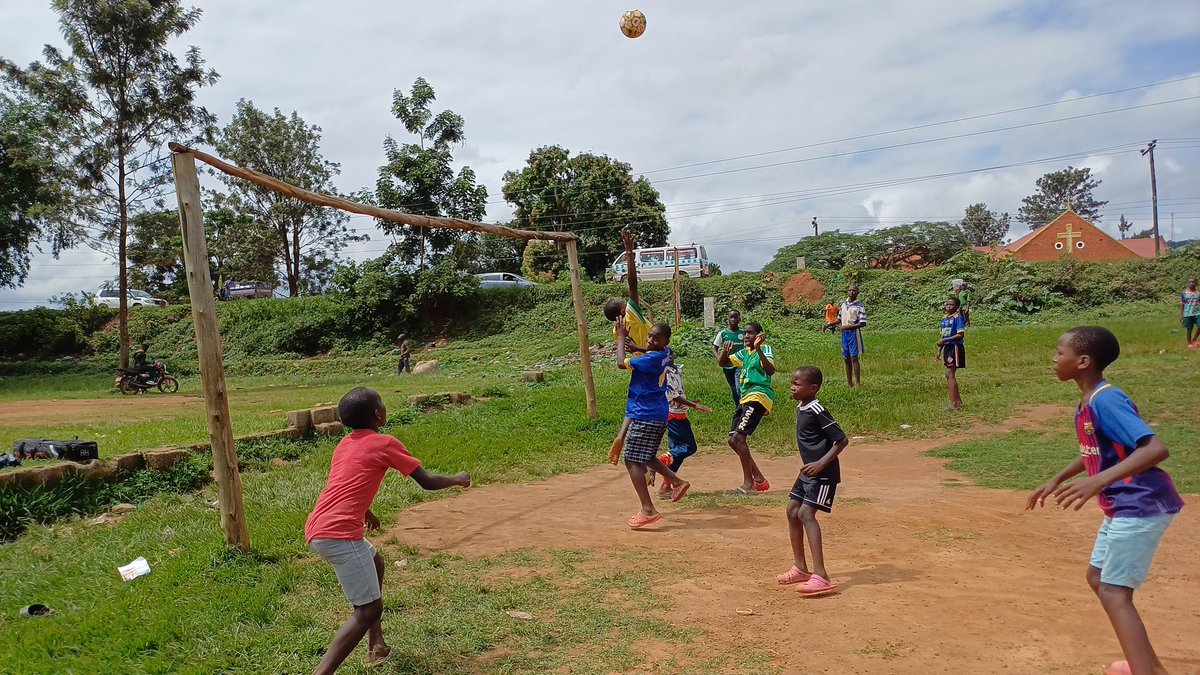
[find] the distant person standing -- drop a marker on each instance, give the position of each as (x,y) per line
(735,336)
(852,318)
(1189,313)
(962,291)
(405,355)
(831,317)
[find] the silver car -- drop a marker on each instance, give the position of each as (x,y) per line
(502,280)
(111,297)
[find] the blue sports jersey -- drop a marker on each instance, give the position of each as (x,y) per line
(953,325)
(647,400)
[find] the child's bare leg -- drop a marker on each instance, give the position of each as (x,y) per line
(637,473)
(1131,632)
(796,534)
(670,476)
(952,385)
(857,371)
(349,635)
(808,518)
(739,445)
(376,647)
(849,373)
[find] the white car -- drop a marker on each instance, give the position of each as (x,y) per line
(502,280)
(111,297)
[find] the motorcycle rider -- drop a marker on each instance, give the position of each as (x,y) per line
(141,364)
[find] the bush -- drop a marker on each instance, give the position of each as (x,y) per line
(46,333)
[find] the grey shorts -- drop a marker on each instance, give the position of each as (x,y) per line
(643,440)
(354,564)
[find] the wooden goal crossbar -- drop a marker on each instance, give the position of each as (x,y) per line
(208,338)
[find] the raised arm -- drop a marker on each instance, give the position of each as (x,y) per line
(630,266)
(622,338)
(436,481)
(723,358)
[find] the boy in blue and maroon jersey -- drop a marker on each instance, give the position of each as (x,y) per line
(1121,456)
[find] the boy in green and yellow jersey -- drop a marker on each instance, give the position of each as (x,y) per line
(636,332)
(757,362)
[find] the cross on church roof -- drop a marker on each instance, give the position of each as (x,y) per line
(1070,235)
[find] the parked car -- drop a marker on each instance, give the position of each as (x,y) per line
(111,297)
(502,280)
(236,290)
(658,263)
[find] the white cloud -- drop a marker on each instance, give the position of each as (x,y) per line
(711,80)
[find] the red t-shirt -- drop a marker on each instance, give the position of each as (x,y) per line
(355,474)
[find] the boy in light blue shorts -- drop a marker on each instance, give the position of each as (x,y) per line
(1121,456)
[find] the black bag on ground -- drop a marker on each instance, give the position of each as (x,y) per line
(73,450)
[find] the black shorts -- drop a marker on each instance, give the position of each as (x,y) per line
(746,418)
(814,491)
(954,355)
(642,440)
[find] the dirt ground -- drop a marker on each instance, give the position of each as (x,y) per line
(936,575)
(86,410)
(802,286)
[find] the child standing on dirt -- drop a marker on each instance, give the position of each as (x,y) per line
(734,335)
(680,439)
(646,408)
(637,328)
(1121,456)
(335,528)
(757,362)
(820,441)
(951,349)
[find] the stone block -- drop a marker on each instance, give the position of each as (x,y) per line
(299,419)
(324,415)
(418,400)
(164,458)
(42,475)
(330,429)
(534,376)
(425,367)
(130,461)
(460,398)
(98,471)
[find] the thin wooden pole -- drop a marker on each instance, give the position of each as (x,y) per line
(409,219)
(677,308)
(208,348)
(581,326)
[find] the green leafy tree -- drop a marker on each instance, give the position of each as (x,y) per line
(593,196)
(419,178)
(1058,191)
(122,95)
(35,193)
(1124,226)
(983,227)
(830,250)
(305,240)
(156,254)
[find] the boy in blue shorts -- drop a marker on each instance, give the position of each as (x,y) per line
(820,441)
(951,349)
(681,441)
(646,409)
(852,318)
(1121,456)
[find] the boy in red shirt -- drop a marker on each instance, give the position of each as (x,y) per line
(336,526)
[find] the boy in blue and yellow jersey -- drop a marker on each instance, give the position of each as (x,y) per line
(757,362)
(951,349)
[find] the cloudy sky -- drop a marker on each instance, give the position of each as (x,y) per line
(749,117)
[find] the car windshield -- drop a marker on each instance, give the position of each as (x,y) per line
(138,294)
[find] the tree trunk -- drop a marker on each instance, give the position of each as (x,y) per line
(122,276)
(295,283)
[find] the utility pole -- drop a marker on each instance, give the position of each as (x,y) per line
(814,224)
(1172,226)
(1153,194)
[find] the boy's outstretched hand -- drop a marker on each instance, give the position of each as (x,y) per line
(703,408)
(462,479)
(371,520)
(614,450)
(1038,498)
(1077,492)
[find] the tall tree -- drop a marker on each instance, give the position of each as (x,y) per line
(303,238)
(1058,191)
(984,227)
(593,196)
(1124,226)
(419,177)
(35,191)
(122,94)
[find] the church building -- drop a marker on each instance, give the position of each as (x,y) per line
(1070,234)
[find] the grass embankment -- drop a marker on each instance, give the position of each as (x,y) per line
(204,609)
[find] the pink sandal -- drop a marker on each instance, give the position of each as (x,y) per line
(763,486)
(680,490)
(816,586)
(640,519)
(1118,668)
(793,576)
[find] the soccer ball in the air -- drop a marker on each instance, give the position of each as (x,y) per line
(633,23)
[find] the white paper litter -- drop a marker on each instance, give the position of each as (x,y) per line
(135,569)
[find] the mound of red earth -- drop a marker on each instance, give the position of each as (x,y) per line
(800,287)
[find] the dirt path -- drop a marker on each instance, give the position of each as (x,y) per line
(85,410)
(936,576)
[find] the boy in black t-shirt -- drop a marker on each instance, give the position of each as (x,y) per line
(820,440)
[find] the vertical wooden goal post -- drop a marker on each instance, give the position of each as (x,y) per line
(208,338)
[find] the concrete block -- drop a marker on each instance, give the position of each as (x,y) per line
(164,458)
(324,415)
(130,461)
(42,475)
(534,376)
(300,419)
(330,429)
(98,471)
(419,399)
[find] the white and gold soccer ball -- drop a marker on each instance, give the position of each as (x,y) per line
(633,23)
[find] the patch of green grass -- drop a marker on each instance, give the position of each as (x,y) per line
(886,651)
(945,537)
(726,499)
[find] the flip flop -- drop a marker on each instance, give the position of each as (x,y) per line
(679,491)
(763,486)
(793,576)
(640,519)
(739,490)
(816,586)
(374,663)
(1118,668)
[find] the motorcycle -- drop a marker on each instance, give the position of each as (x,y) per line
(130,381)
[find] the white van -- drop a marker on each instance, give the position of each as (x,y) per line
(657,264)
